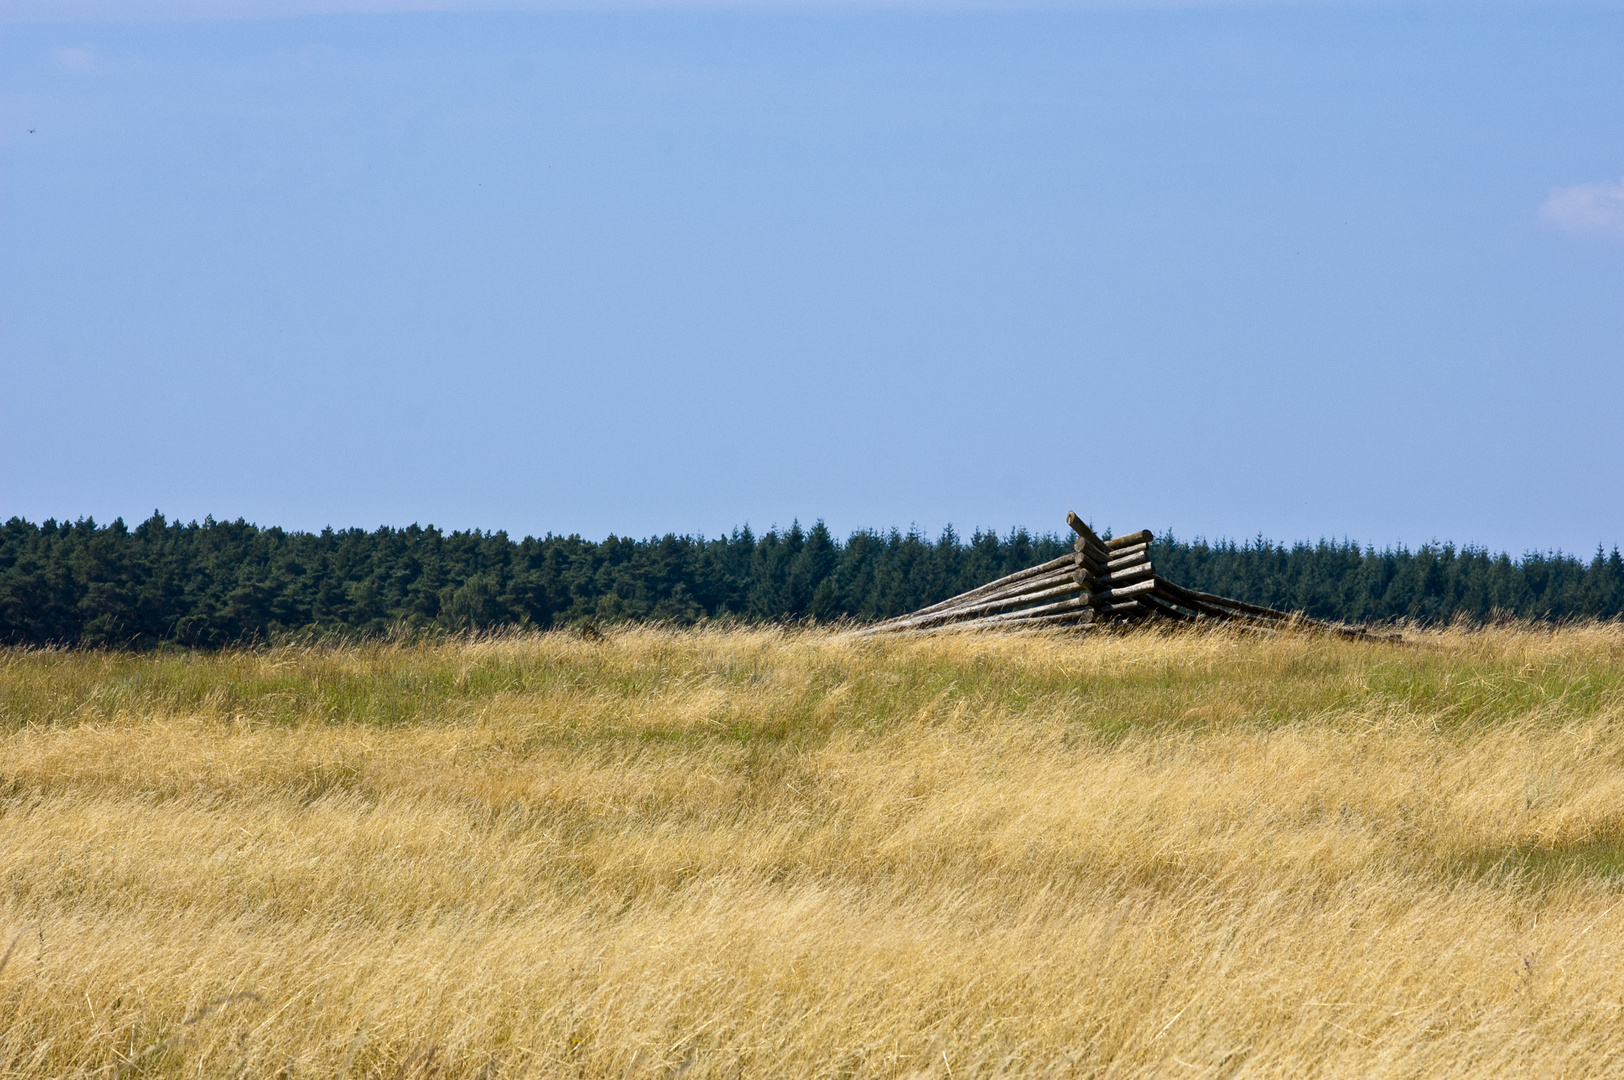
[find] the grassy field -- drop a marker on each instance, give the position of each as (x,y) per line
(764,854)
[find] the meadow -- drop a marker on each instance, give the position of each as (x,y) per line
(788,853)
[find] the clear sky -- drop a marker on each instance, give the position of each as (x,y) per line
(1298,270)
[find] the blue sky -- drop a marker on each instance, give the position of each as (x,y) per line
(1343,270)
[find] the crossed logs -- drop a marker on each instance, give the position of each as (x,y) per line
(1101,581)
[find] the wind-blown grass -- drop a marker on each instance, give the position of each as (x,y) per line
(766,853)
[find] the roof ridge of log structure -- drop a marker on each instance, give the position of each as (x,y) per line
(1101,582)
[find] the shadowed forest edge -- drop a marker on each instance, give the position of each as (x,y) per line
(216,583)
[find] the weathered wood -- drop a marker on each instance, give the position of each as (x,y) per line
(1006,581)
(1208,613)
(1111,596)
(987,606)
(1224,601)
(1023,618)
(1093,563)
(1228,608)
(1019,588)
(1080,527)
(1154,602)
(1137,551)
(1037,581)
(1223,607)
(1087,539)
(1243,619)
(1143,536)
(1067,588)
(1048,614)
(1091,551)
(1196,609)
(1079,618)
(1101,580)
(1172,594)
(1045,609)
(982,590)
(1123,576)
(1097,565)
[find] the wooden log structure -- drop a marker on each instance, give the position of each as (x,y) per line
(1102,582)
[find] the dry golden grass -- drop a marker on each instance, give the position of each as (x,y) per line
(762,854)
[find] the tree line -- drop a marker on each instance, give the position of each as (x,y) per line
(216,583)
